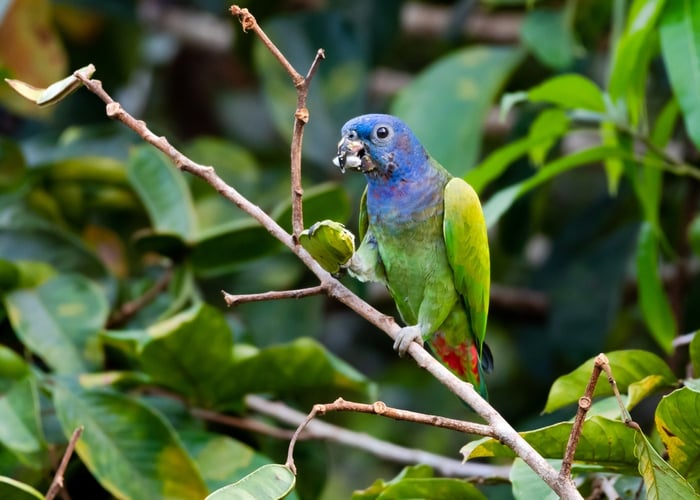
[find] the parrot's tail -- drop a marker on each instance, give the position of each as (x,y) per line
(464,360)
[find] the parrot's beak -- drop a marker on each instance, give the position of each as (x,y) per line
(350,153)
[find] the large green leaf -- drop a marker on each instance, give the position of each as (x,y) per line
(680,47)
(527,484)
(677,423)
(609,443)
(190,353)
(628,367)
(302,368)
(568,91)
(269,482)
(548,34)
(500,202)
(60,320)
(451,98)
(129,448)
(12,489)
(630,62)
(653,300)
(163,191)
(694,350)
(660,479)
(221,459)
(20,431)
(419,481)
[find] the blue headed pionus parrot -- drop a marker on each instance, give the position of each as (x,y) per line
(423,235)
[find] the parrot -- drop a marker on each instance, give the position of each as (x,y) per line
(423,235)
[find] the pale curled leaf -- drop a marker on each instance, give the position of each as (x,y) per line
(55,92)
(269,482)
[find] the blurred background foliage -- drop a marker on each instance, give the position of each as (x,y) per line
(600,258)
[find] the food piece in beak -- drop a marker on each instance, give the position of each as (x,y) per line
(349,155)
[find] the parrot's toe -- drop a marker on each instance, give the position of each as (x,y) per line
(405,337)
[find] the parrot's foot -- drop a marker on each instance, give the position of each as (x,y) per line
(405,337)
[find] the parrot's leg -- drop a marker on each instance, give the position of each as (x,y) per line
(406,336)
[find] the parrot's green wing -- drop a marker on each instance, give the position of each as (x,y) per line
(467,248)
(363,223)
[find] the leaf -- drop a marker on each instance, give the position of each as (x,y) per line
(31,50)
(694,351)
(500,202)
(653,300)
(630,62)
(459,89)
(60,320)
(660,479)
(679,30)
(527,484)
(605,442)
(323,201)
(129,448)
(548,34)
(174,350)
(221,459)
(628,367)
(302,368)
(549,125)
(569,91)
(21,431)
(163,192)
(676,421)
(27,490)
(269,482)
(55,92)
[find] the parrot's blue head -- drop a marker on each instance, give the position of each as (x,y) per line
(380,146)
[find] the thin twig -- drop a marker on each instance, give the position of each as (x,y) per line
(57,483)
(584,404)
(129,309)
(301,115)
(234,300)
(317,429)
(380,408)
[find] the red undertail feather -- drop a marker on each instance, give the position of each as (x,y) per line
(461,359)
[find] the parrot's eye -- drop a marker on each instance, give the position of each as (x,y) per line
(382,133)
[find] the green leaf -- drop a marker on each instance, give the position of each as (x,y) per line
(660,479)
(652,296)
(605,442)
(129,448)
(548,34)
(269,482)
(549,125)
(694,234)
(60,320)
(680,46)
(500,202)
(302,368)
(459,89)
(224,248)
(569,91)
(26,490)
(418,481)
(628,367)
(175,348)
(630,62)
(221,459)
(694,351)
(163,192)
(323,201)
(676,421)
(527,484)
(20,431)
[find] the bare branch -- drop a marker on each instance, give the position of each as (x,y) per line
(316,429)
(234,300)
(129,309)
(247,424)
(57,483)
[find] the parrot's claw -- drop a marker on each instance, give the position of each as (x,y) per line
(406,336)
